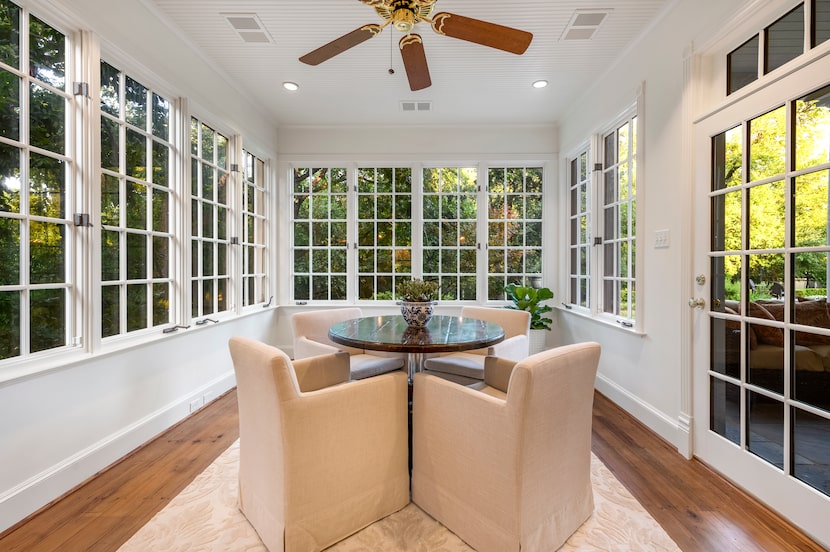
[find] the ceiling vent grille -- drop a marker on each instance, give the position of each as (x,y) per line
(249,27)
(412,106)
(584,24)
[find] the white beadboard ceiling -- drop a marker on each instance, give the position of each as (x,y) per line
(471,84)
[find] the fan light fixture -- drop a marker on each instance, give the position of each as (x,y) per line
(291,86)
(540,84)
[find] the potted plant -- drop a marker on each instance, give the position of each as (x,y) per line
(530,299)
(417,299)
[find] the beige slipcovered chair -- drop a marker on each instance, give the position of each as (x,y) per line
(311,338)
(467,367)
(321,457)
(508,469)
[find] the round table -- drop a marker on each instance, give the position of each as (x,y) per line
(442,334)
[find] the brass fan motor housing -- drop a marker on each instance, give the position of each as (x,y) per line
(403,14)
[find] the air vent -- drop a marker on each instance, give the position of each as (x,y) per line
(248,26)
(584,24)
(415,106)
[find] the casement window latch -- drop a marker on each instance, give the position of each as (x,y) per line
(81,219)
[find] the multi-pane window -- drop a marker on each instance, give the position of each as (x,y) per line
(210,196)
(619,215)
(407,223)
(35,191)
(514,228)
(136,199)
(319,200)
(254,231)
(450,214)
(384,231)
(579,246)
(779,43)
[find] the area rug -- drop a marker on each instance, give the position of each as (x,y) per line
(205,517)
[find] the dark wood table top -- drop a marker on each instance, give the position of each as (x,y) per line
(441,334)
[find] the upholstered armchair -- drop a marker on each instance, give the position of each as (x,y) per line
(508,469)
(321,457)
(311,338)
(467,367)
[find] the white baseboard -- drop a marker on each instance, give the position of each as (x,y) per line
(29,496)
(657,421)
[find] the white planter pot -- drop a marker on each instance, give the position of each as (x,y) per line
(537,341)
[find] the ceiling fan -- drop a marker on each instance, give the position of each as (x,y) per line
(405,14)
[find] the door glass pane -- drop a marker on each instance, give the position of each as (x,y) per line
(725,346)
(725,409)
(767,217)
(812,129)
(727,155)
(811,444)
(765,428)
(810,374)
(768,146)
(810,207)
(726,221)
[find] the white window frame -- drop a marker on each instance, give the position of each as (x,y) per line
(596,309)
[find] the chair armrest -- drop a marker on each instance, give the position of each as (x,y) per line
(305,347)
(514,348)
(321,371)
(497,372)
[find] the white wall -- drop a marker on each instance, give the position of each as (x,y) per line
(643,372)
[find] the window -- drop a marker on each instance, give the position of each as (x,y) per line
(602,249)
(36,195)
(579,193)
(450,214)
(135,205)
(320,240)
(428,223)
(780,42)
(384,231)
(209,220)
(784,39)
(125,216)
(254,232)
(514,228)
(619,216)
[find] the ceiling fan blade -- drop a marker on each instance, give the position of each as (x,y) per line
(415,62)
(340,45)
(500,37)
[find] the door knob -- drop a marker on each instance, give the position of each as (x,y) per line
(697,302)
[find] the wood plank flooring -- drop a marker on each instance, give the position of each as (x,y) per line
(701,511)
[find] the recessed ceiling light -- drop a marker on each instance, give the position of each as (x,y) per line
(292,86)
(540,84)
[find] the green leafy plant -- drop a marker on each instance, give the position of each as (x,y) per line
(416,290)
(530,299)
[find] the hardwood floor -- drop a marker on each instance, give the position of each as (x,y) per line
(701,511)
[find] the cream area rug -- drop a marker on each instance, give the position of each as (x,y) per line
(205,517)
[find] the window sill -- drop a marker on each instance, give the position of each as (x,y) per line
(602,319)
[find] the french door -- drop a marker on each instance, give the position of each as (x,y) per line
(761,329)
